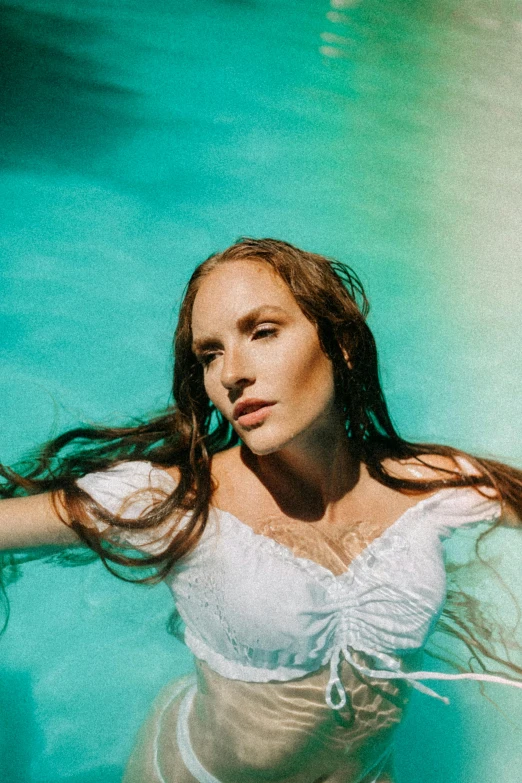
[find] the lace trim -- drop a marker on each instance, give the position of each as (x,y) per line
(234,670)
(397,545)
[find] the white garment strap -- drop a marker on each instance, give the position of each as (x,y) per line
(186,750)
(180,686)
(392,672)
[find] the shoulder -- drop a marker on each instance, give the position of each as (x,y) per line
(434,467)
(172,473)
(129,490)
(229,458)
(425,467)
(228,466)
(114,486)
(138,473)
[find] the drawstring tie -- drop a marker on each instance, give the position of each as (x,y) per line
(393,672)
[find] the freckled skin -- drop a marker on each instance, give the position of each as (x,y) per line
(280,359)
(296,469)
(297,483)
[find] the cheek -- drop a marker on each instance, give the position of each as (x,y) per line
(313,376)
(319,368)
(211,388)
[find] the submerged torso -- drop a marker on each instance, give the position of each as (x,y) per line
(284,731)
(256,590)
(245,732)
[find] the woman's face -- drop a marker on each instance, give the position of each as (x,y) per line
(264,368)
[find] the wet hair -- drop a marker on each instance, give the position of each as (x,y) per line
(190,431)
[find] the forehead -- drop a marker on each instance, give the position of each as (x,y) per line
(236,287)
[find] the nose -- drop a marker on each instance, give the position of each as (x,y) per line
(236,370)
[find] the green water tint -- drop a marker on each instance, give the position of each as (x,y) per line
(137,139)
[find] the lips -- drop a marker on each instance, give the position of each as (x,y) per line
(244,411)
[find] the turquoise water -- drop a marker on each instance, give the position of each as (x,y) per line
(137,138)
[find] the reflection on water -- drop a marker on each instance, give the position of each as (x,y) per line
(137,138)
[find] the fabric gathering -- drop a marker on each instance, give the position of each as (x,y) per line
(375,614)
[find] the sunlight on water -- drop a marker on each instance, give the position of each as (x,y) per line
(138,138)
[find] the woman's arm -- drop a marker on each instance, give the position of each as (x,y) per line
(32,522)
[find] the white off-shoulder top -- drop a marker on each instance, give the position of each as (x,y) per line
(254,611)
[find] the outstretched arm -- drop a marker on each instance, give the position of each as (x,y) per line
(33,521)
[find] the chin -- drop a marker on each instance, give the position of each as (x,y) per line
(260,451)
(258,442)
(260,447)
(263,443)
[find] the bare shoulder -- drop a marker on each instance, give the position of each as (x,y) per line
(229,472)
(434,467)
(427,467)
(230,458)
(223,464)
(174,472)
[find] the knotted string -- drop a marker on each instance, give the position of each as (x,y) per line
(393,672)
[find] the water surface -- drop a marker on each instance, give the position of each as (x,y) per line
(138,137)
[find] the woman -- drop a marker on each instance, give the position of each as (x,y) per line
(299,534)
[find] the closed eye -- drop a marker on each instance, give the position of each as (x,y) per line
(260,333)
(264,331)
(206,358)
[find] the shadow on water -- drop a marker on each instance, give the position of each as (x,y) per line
(60,101)
(20,734)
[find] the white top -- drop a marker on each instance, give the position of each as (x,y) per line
(256,612)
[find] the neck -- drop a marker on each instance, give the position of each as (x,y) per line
(307,479)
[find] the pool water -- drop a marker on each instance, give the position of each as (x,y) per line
(136,139)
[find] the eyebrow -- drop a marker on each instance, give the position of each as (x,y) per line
(244,324)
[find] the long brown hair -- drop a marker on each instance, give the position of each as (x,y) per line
(191,430)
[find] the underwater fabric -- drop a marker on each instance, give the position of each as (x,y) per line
(272,629)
